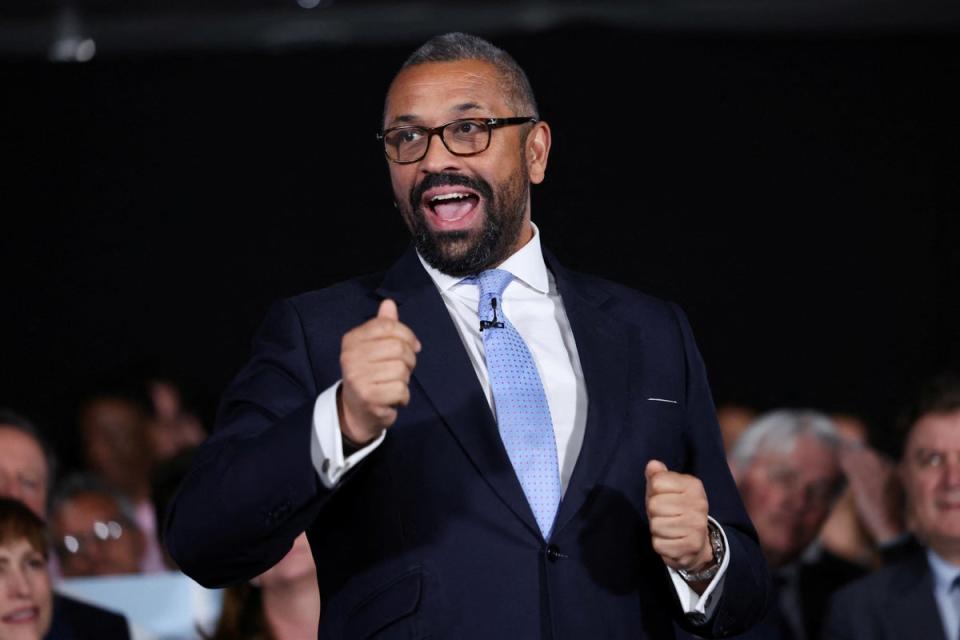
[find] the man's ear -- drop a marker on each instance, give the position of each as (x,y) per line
(537,151)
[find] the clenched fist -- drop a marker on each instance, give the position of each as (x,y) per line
(376,360)
(677,510)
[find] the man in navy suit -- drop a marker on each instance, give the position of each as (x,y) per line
(368,417)
(919,595)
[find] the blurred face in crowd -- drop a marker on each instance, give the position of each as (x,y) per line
(171,430)
(26,600)
(788,496)
(930,471)
(93,538)
(23,469)
(466,213)
(116,446)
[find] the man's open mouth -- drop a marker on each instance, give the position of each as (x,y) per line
(452,205)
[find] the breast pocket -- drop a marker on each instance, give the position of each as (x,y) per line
(659,429)
(388,613)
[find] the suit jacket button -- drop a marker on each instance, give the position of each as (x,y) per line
(553,553)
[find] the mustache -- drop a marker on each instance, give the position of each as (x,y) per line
(448,180)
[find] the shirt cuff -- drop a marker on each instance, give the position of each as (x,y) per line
(700,607)
(326,441)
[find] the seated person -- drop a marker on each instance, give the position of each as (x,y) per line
(26,599)
(281,604)
(93,532)
(787,468)
(26,471)
(915,597)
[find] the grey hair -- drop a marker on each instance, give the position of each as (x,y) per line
(779,430)
(453,47)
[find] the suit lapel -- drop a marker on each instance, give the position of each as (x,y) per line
(446,376)
(602,345)
(913,612)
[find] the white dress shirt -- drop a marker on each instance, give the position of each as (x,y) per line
(944,574)
(534,307)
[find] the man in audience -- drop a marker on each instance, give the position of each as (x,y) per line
(93,533)
(917,597)
(113,430)
(26,472)
(787,469)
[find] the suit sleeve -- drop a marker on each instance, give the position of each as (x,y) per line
(252,488)
(746,590)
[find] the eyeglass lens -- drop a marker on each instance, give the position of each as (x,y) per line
(462,137)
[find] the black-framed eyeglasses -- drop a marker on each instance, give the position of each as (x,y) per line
(464,137)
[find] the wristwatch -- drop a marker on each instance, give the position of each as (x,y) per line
(716,541)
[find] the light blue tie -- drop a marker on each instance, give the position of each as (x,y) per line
(523,415)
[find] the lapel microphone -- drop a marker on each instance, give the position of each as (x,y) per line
(491,324)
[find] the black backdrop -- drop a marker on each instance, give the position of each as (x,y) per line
(796,194)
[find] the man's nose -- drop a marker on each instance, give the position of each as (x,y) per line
(10,488)
(951,473)
(438,158)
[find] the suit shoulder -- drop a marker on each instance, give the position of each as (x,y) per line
(626,302)
(876,587)
(79,620)
(349,291)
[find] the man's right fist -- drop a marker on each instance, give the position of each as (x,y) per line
(376,360)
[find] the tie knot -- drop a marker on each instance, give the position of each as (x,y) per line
(955,583)
(492,282)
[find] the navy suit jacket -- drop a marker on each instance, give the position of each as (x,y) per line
(431,535)
(895,602)
(76,620)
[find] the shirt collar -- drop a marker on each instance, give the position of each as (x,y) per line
(526,265)
(944,573)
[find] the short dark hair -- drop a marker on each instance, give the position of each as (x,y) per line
(940,394)
(83,484)
(18,522)
(17,422)
(453,47)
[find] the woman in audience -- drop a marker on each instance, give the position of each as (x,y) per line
(281,604)
(26,599)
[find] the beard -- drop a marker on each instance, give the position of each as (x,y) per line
(468,252)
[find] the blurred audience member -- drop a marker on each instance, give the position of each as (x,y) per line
(281,604)
(173,427)
(113,429)
(734,420)
(917,597)
(26,463)
(19,444)
(787,468)
(26,597)
(94,534)
(867,518)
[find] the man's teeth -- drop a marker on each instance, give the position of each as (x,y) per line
(449,196)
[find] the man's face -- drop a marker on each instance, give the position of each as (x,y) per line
(115,443)
(26,598)
(92,538)
(930,471)
(23,470)
(464,235)
(789,495)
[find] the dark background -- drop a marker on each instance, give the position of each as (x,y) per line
(795,190)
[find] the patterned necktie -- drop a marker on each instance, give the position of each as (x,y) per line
(523,415)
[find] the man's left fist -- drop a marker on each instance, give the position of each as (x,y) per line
(677,509)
